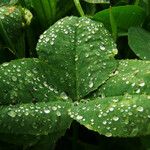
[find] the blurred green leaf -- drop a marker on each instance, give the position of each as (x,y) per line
(98,1)
(13,19)
(139,42)
(124,16)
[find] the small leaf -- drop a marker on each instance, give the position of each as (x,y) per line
(123,116)
(81,54)
(132,77)
(134,16)
(139,42)
(98,1)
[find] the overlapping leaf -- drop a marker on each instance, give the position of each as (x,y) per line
(132,77)
(134,16)
(139,42)
(123,116)
(81,53)
(29,104)
(124,107)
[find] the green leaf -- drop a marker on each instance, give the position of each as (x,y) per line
(13,19)
(27,77)
(134,16)
(29,105)
(139,42)
(132,77)
(81,54)
(98,1)
(113,25)
(8,2)
(122,116)
(42,118)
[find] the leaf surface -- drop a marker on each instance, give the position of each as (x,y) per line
(131,77)
(80,52)
(139,42)
(121,116)
(29,105)
(134,16)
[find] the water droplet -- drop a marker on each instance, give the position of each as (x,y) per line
(104,122)
(102,48)
(79,117)
(91,84)
(28,73)
(54,108)
(137,91)
(14,78)
(140,109)
(87,55)
(12,114)
(114,51)
(58,113)
(142,84)
(5,64)
(64,96)
(108,134)
(115,118)
(47,111)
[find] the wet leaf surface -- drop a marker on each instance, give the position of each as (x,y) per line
(80,52)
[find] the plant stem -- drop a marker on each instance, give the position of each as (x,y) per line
(75,136)
(79,7)
(113,25)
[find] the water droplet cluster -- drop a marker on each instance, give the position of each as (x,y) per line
(84,51)
(131,77)
(115,116)
(27,80)
(37,119)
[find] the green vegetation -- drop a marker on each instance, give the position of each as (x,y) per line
(74,74)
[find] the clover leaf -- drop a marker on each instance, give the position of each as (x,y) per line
(76,60)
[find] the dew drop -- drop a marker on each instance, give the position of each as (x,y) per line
(54,108)
(64,96)
(115,118)
(102,48)
(140,109)
(108,134)
(58,113)
(5,64)
(47,111)
(14,78)
(137,91)
(142,84)
(12,114)
(104,122)
(91,84)
(79,117)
